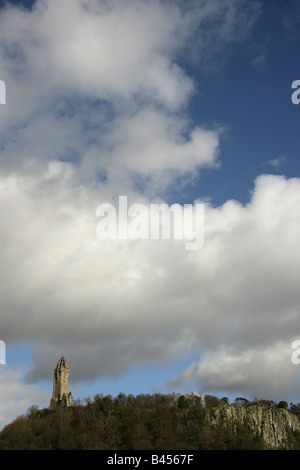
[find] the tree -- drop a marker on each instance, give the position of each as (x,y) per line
(283,404)
(211,400)
(183,402)
(224,401)
(241,401)
(32,411)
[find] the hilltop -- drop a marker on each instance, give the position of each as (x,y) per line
(156,422)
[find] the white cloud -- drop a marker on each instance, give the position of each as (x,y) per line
(93,103)
(253,371)
(277,162)
(159,147)
(78,292)
(16,396)
(103,88)
(110,50)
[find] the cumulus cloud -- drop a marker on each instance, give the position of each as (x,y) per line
(16,396)
(111,68)
(159,148)
(111,51)
(248,371)
(117,304)
(93,104)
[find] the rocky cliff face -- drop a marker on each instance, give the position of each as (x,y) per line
(275,426)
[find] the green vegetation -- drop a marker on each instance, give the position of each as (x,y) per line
(142,422)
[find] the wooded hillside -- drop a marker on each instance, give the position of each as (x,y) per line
(149,422)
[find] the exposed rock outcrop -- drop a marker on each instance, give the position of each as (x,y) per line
(275,426)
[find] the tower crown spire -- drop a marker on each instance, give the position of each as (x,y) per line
(62,363)
(60,384)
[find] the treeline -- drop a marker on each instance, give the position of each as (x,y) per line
(142,422)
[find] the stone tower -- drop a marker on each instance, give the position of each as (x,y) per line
(60,384)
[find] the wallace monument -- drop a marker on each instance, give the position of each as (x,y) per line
(60,393)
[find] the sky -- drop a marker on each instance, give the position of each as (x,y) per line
(175,102)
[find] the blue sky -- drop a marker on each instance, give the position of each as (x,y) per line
(169,100)
(255,102)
